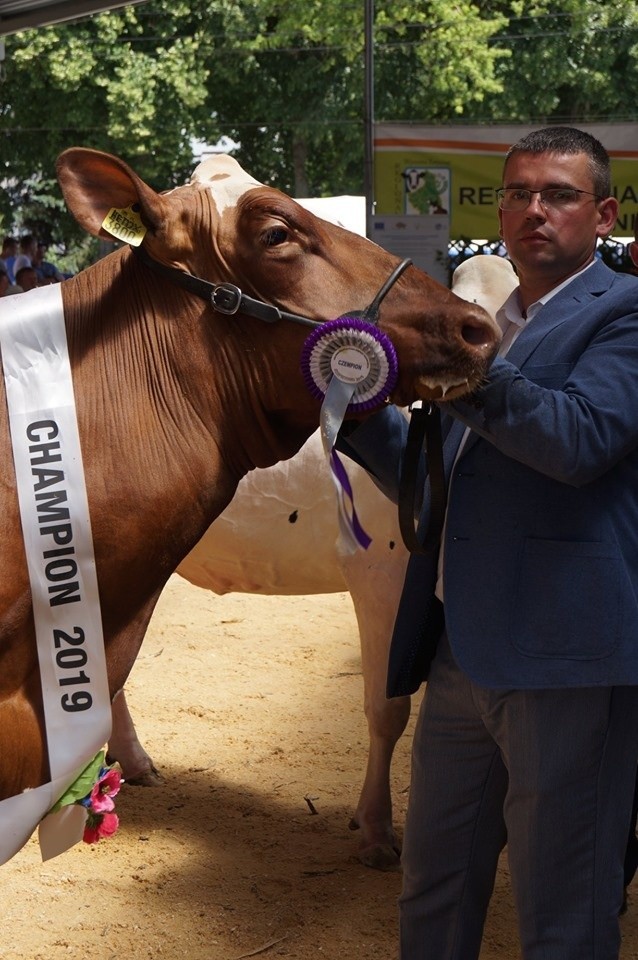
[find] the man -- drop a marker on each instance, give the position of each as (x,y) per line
(526,621)
(631,853)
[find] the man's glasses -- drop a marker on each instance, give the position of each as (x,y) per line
(557,198)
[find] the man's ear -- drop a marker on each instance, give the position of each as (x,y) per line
(608,214)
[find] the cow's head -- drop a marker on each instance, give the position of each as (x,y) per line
(225,226)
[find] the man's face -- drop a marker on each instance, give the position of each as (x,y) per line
(554,241)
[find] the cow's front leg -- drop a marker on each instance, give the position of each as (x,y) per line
(124,747)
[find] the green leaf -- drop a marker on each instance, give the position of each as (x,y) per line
(81,787)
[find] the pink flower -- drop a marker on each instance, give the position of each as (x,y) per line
(99,826)
(101,798)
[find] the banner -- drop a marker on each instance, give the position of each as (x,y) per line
(449,174)
(58,545)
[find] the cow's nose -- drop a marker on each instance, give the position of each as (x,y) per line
(480,333)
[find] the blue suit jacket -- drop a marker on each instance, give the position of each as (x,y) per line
(541,540)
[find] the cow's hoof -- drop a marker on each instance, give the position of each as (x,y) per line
(380,856)
(146,778)
(382,853)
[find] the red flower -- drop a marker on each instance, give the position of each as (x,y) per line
(100,825)
(101,798)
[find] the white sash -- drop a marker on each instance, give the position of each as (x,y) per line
(59,550)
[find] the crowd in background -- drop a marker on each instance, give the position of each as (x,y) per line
(23,265)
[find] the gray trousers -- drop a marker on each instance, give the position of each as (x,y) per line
(549,772)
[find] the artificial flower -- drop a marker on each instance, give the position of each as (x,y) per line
(100,825)
(108,786)
(94,790)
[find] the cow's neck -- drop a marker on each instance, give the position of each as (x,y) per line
(158,403)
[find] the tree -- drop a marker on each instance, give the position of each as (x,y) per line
(575,61)
(305,70)
(282,78)
(284,81)
(115,82)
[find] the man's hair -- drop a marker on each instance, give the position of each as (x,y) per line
(569,140)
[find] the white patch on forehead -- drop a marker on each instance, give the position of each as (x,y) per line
(225,178)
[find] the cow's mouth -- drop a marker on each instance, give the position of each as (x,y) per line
(438,389)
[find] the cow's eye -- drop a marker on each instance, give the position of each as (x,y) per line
(275,236)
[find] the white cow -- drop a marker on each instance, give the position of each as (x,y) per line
(280,536)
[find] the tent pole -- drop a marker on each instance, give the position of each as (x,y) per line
(368,178)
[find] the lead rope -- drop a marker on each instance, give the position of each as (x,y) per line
(424,432)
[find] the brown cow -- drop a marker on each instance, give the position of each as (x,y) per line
(176,401)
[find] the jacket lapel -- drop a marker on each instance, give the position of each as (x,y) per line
(584,289)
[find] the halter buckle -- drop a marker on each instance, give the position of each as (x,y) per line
(226,298)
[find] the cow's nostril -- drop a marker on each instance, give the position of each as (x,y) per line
(477,336)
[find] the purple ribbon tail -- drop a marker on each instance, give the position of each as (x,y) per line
(348,512)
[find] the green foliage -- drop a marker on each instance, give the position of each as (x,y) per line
(284,80)
(435,62)
(573,61)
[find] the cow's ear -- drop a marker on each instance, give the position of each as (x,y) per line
(93,183)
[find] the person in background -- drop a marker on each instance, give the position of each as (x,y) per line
(47,272)
(26,278)
(8,255)
(25,255)
(6,287)
(525,619)
(4,280)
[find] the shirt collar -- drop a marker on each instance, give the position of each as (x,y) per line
(511,311)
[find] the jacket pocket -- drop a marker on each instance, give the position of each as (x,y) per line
(567,602)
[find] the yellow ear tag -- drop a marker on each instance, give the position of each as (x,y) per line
(125,224)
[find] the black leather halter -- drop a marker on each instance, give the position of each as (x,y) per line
(229,299)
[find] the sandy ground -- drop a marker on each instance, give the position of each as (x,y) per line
(249,705)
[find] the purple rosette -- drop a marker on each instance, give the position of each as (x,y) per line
(356,352)
(349,365)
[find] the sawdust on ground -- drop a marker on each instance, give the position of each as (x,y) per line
(252,709)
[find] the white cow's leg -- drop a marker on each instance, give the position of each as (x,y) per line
(379,847)
(374,578)
(125,748)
